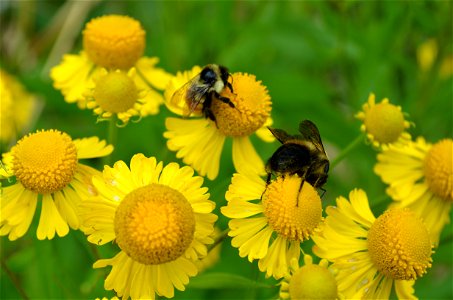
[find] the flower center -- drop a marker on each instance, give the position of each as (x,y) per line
(399,245)
(45,161)
(154,224)
(438,169)
(385,122)
(252,106)
(115,92)
(291,213)
(313,282)
(114,41)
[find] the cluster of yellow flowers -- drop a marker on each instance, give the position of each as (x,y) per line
(161,217)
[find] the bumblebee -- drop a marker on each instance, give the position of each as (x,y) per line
(203,89)
(302,154)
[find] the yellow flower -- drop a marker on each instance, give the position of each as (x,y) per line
(269,223)
(383,123)
(160,218)
(199,141)
(310,281)
(46,168)
(111,42)
(18,108)
(115,92)
(420,176)
(369,254)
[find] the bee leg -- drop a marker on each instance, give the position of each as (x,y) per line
(207,112)
(323,192)
(300,189)
(230,87)
(268,180)
(224,100)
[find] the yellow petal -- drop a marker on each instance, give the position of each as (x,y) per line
(245,158)
(92,147)
(50,220)
(197,142)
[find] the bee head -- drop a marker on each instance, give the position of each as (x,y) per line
(208,75)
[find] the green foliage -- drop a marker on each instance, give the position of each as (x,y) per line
(319,61)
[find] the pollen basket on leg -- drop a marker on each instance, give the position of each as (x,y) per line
(45,162)
(154,224)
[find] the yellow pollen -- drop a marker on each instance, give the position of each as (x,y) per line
(399,245)
(115,92)
(291,213)
(252,106)
(114,41)
(313,282)
(45,161)
(154,224)
(438,169)
(385,122)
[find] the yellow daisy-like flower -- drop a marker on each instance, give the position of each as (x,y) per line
(420,176)
(310,281)
(369,254)
(115,93)
(269,223)
(199,142)
(161,219)
(111,42)
(18,108)
(383,123)
(46,166)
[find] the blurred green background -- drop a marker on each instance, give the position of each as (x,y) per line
(319,60)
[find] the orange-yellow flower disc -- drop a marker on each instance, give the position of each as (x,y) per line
(45,161)
(154,224)
(399,245)
(438,169)
(114,41)
(291,212)
(252,106)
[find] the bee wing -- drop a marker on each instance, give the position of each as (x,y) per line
(186,99)
(310,132)
(280,134)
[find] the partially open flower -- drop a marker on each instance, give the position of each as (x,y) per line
(383,122)
(115,93)
(310,281)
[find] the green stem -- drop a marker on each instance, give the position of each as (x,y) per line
(358,140)
(14,280)
(219,239)
(112,134)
